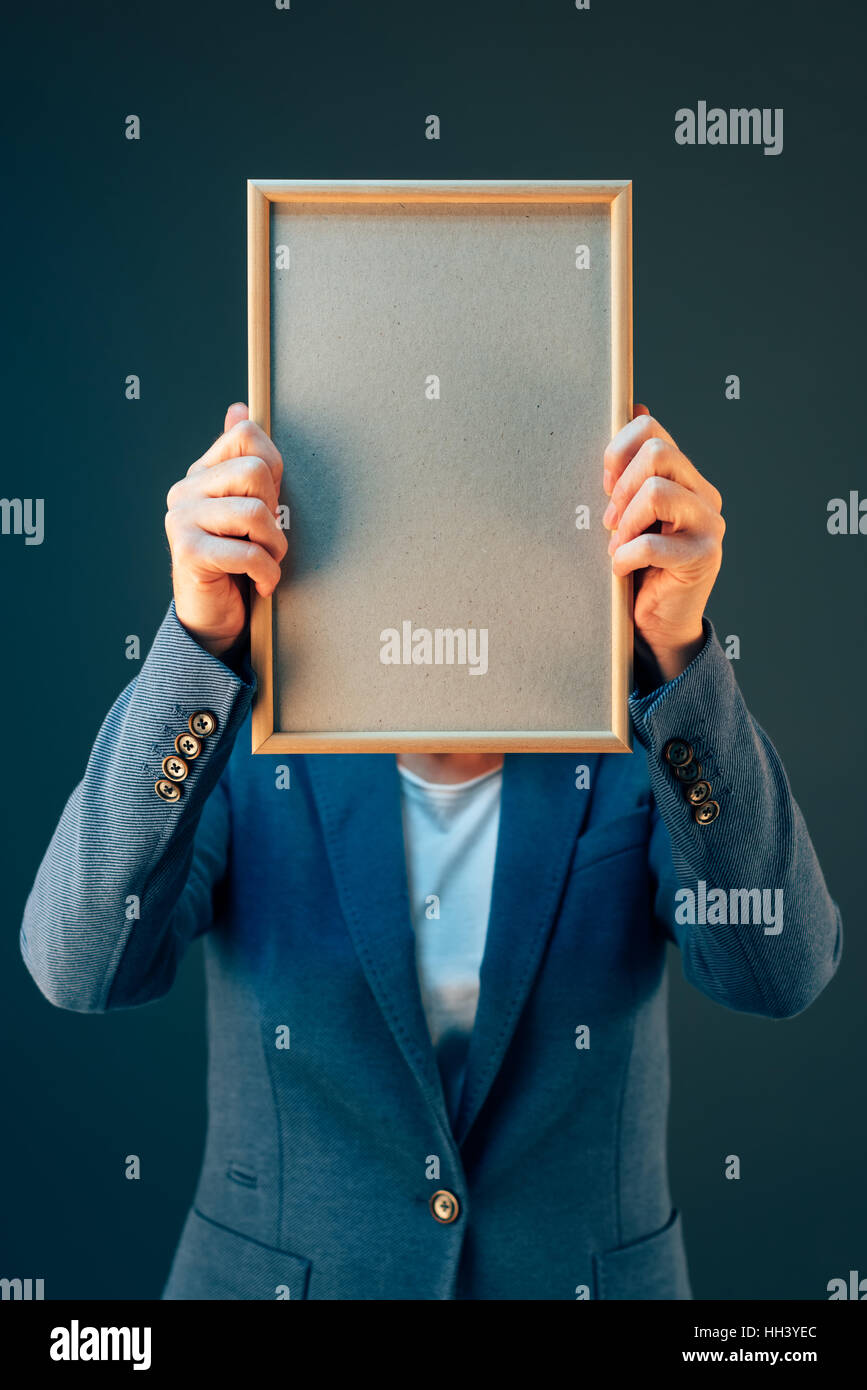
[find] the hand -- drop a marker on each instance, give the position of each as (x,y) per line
(222,525)
(667,529)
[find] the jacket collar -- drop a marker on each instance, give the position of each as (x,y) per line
(358,797)
(541,815)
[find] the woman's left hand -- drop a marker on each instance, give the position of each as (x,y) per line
(667,528)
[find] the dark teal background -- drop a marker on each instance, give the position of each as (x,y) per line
(128,257)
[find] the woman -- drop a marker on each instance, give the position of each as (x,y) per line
(438,1053)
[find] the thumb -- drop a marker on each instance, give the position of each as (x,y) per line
(237,411)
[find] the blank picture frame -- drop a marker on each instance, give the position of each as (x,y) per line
(441,366)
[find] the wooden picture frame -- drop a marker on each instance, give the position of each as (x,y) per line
(360,232)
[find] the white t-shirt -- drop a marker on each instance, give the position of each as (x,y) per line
(450,838)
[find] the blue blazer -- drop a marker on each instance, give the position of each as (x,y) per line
(328,1132)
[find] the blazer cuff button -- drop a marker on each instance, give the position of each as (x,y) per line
(202,723)
(678,752)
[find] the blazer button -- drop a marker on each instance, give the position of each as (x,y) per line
(175,767)
(689,772)
(444,1207)
(678,752)
(202,723)
(706,812)
(697,792)
(169,791)
(188,746)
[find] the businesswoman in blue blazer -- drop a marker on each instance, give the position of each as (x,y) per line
(438,1050)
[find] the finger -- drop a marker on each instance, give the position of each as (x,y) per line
(225,555)
(233,477)
(244,438)
(625,445)
(237,411)
(657,552)
(639,410)
(245,518)
(656,458)
(658,499)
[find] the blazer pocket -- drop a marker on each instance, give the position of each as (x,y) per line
(214,1262)
(613,837)
(651,1268)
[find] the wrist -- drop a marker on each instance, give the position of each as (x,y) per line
(235,655)
(215,644)
(673,659)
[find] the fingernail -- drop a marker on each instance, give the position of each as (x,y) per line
(606,480)
(610,514)
(612,544)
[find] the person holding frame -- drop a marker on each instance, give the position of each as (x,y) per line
(438,1048)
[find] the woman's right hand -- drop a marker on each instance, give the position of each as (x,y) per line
(222,525)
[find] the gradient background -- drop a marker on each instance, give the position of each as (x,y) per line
(130,257)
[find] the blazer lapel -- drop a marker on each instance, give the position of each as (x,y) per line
(541,814)
(358,797)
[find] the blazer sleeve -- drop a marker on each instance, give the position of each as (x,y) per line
(128,878)
(770,953)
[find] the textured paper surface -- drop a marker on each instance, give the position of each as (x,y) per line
(457,512)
